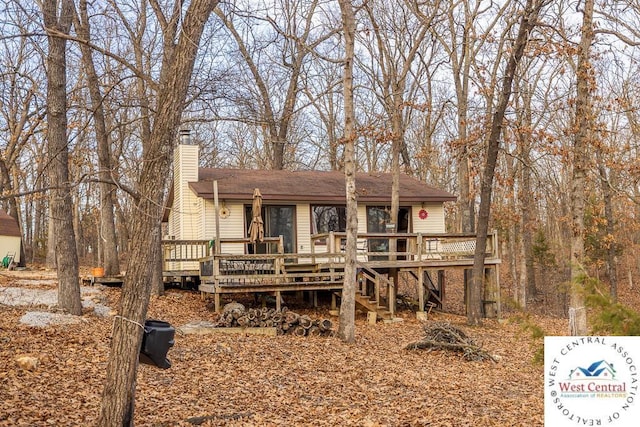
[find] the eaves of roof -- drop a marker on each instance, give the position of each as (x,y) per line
(311,186)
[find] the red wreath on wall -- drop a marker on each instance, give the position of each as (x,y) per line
(423,214)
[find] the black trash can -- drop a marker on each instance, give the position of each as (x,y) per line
(156,342)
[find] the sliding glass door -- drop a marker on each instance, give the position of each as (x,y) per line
(278,220)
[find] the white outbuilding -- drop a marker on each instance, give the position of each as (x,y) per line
(10,239)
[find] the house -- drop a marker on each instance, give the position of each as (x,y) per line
(10,239)
(210,210)
(295,204)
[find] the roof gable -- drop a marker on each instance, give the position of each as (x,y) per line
(8,225)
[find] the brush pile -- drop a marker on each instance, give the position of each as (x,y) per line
(444,336)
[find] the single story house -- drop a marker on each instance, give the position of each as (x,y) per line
(211,208)
(295,204)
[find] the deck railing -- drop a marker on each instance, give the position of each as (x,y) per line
(330,247)
(184,254)
(373,247)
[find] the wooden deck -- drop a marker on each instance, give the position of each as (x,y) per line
(426,257)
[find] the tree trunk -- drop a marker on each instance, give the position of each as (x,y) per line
(466,203)
(346,328)
(476,289)
(51,244)
(156,255)
(611,244)
(41,227)
(583,126)
(107,228)
(61,203)
(119,390)
(396,143)
(525,193)
(528,224)
(522,282)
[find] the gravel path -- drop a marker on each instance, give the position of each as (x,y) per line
(31,297)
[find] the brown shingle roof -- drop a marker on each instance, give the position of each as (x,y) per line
(8,225)
(313,186)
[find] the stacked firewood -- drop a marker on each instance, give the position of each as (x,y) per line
(285,321)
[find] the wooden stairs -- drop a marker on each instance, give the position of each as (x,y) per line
(372,306)
(371,284)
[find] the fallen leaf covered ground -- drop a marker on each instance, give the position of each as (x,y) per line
(254,380)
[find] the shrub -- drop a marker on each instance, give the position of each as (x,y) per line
(608,317)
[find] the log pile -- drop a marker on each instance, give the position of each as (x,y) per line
(444,336)
(285,321)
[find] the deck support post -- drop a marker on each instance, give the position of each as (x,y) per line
(441,286)
(392,297)
(278,301)
(216,302)
(420,289)
(491,303)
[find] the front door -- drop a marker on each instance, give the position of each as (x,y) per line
(377,219)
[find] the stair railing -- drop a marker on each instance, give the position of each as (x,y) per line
(369,274)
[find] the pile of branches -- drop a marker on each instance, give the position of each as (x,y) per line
(285,321)
(444,336)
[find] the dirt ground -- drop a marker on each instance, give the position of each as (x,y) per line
(253,380)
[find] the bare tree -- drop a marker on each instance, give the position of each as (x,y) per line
(398,42)
(275,111)
(58,24)
(182,35)
(584,124)
(323,95)
(528,21)
(107,240)
(462,47)
(22,117)
(346,329)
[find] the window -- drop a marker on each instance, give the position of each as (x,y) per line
(377,219)
(328,218)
